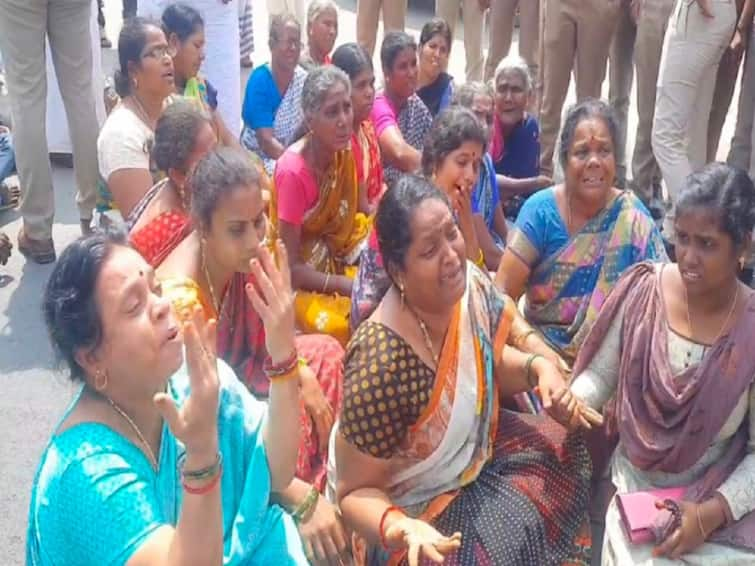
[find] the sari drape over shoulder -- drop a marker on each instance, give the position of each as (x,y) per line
(666,422)
(364,144)
(333,234)
(464,463)
(241,343)
(567,287)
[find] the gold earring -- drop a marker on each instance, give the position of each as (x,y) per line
(100,375)
(403,296)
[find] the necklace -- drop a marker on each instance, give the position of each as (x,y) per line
(721,330)
(215,303)
(142,112)
(129,420)
(425,334)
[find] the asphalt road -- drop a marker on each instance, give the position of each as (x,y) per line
(33,393)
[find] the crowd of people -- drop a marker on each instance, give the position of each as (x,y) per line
(336,323)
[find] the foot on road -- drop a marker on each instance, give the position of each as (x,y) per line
(39,251)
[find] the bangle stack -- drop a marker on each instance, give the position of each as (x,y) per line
(381,528)
(211,472)
(528,369)
(285,370)
(305,509)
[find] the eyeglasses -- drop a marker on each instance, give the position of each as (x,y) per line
(159,52)
(293,43)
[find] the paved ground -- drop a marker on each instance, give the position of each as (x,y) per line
(33,392)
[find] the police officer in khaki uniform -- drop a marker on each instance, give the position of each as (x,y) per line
(368,15)
(473,14)
(576,35)
(501,30)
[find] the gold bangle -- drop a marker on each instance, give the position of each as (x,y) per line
(520,340)
(700,522)
(304,510)
(480,262)
(528,368)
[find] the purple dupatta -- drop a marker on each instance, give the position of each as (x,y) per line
(666,422)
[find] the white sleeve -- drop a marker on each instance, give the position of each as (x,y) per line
(739,487)
(122,145)
(597,383)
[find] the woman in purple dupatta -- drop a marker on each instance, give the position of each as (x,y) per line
(671,349)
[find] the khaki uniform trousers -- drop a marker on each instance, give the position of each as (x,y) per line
(740,154)
(368,15)
(639,44)
(24,24)
(577,35)
(473,18)
(501,30)
(692,51)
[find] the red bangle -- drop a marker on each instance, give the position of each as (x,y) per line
(382,524)
(205,489)
(275,370)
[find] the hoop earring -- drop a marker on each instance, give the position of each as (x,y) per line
(97,375)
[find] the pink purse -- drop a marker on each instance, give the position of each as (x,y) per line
(638,511)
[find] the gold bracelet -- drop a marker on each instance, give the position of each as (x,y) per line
(325,285)
(304,510)
(700,522)
(528,368)
(520,340)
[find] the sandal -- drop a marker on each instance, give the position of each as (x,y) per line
(9,196)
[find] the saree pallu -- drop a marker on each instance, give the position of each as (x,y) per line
(333,235)
(515,486)
(567,289)
(364,144)
(486,199)
(241,343)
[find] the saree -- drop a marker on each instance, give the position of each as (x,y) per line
(667,422)
(241,343)
(438,94)
(287,115)
(96,499)
(567,288)
(486,199)
(333,234)
(364,145)
(466,464)
(414,121)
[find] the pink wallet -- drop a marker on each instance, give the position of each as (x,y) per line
(638,511)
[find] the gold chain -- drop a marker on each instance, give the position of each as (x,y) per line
(425,334)
(726,322)
(215,303)
(121,412)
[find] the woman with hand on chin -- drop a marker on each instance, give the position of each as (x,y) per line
(217,266)
(168,461)
(672,345)
(427,463)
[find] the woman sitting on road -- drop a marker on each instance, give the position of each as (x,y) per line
(322,31)
(160,458)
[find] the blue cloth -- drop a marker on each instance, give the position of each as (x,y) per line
(7,156)
(486,198)
(96,498)
(521,151)
(540,220)
(261,99)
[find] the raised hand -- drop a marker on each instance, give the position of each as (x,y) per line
(272,298)
(421,538)
(195,424)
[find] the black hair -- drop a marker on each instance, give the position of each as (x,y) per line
(394,216)
(585,110)
(69,303)
(131,43)
(217,175)
(176,135)
(454,126)
(436,26)
(352,58)
(278,22)
(725,191)
(181,19)
(394,42)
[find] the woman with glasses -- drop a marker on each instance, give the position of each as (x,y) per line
(272,104)
(144,79)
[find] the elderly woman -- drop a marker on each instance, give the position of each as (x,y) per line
(515,139)
(573,241)
(315,205)
(272,103)
(354,60)
(486,198)
(161,219)
(449,464)
(161,457)
(434,86)
(184,29)
(400,118)
(144,80)
(322,30)
(672,344)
